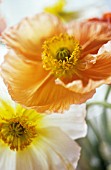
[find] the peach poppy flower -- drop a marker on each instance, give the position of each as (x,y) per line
(50,65)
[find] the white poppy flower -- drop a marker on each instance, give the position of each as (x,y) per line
(33,141)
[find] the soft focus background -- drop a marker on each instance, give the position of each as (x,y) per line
(96,147)
(15,10)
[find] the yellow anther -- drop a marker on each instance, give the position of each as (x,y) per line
(61,54)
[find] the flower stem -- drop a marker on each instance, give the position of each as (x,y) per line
(103,104)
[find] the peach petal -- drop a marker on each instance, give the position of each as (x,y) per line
(37,90)
(28,36)
(105,18)
(78,87)
(97,74)
(91,35)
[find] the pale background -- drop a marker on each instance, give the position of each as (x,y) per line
(15,10)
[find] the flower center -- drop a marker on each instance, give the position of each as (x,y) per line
(61,54)
(17,132)
(16,129)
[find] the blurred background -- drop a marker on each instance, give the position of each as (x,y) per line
(15,10)
(96,147)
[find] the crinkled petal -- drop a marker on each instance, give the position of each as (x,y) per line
(91,35)
(28,36)
(100,72)
(93,74)
(71,122)
(37,90)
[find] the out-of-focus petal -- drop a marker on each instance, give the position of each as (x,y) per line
(37,90)
(2,24)
(105,18)
(28,36)
(71,122)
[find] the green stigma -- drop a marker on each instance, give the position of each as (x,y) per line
(63,54)
(16,129)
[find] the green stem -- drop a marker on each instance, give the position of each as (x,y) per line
(104,117)
(94,129)
(103,104)
(107,93)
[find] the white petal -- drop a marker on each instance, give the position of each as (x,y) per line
(105,47)
(67,152)
(4,92)
(7,158)
(3,51)
(53,151)
(72,122)
(33,158)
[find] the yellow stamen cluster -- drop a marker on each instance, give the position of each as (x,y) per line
(61,54)
(17,132)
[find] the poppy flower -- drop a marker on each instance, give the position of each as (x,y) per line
(2,24)
(106,17)
(51,65)
(30,140)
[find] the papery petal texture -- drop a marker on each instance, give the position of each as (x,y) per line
(51,74)
(28,36)
(38,90)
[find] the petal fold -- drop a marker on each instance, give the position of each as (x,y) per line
(94,70)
